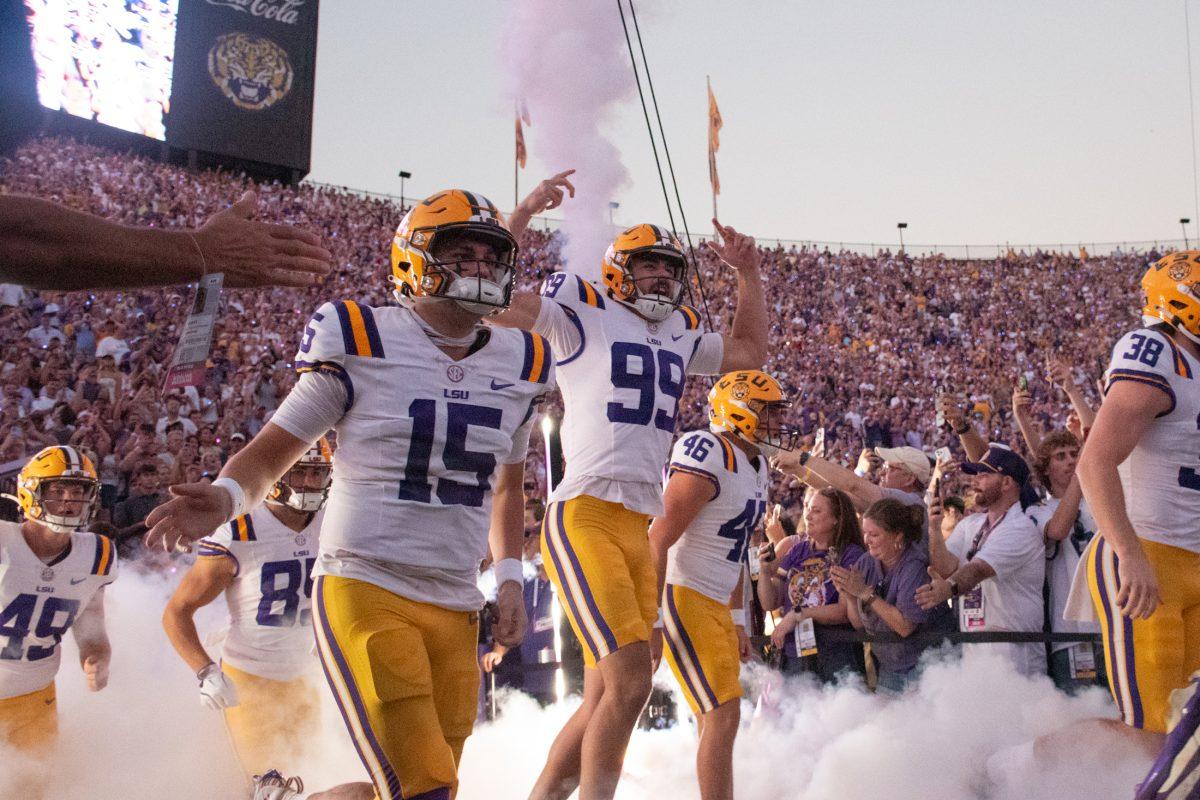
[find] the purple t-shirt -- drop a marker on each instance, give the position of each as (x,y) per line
(807,582)
(899,588)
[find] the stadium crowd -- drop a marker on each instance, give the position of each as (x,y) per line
(863,344)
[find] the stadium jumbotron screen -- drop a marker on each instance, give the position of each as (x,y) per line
(106,60)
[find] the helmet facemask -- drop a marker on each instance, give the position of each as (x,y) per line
(770,431)
(58,491)
(477,293)
(303,495)
(659,304)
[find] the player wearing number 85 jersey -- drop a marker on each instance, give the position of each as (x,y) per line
(52,576)
(432,412)
(262,562)
(715,495)
(625,346)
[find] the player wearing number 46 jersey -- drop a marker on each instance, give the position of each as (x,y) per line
(625,346)
(262,562)
(715,496)
(432,412)
(52,576)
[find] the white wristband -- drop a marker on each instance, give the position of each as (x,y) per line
(739,616)
(509,569)
(236,494)
(658,623)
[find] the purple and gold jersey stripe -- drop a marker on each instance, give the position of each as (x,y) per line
(690,317)
(1182,368)
(1146,378)
(536,368)
(1117,629)
(581,604)
(589,295)
(102,564)
(242,529)
(330,368)
(207,548)
(360,335)
(699,473)
(730,457)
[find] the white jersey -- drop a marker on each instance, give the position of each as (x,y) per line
(1161,477)
(418,446)
(621,378)
(40,601)
(270,605)
(708,556)
(1062,559)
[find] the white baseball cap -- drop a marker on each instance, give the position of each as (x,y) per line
(910,458)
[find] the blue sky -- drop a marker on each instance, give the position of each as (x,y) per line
(974,122)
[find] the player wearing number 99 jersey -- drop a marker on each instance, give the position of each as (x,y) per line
(262,562)
(1140,474)
(432,411)
(52,576)
(625,347)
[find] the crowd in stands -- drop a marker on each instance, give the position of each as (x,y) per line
(865,345)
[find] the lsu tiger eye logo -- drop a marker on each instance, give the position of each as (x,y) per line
(740,390)
(1178,271)
(253,72)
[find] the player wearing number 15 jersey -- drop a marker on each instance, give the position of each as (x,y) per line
(432,412)
(715,496)
(262,562)
(1140,474)
(625,348)
(52,576)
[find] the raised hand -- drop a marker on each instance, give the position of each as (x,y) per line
(737,250)
(195,511)
(549,193)
(509,627)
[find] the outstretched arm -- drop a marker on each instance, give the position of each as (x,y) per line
(48,246)
(207,578)
(546,195)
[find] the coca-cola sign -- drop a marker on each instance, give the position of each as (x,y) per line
(285,11)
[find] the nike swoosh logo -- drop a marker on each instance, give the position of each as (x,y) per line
(77,581)
(675,338)
(498,386)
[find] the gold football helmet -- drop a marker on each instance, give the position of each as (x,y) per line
(431,225)
(750,404)
(1172,287)
(305,497)
(51,468)
(615,272)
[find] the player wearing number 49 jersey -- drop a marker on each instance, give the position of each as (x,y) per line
(262,562)
(1140,474)
(52,576)
(625,346)
(432,412)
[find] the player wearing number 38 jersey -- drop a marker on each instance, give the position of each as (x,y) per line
(625,347)
(432,412)
(1140,474)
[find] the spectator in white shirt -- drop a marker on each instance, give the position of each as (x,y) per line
(172,416)
(1068,526)
(111,343)
(994,563)
(45,333)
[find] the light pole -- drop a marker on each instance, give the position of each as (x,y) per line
(900,226)
(1183,223)
(613,205)
(404,175)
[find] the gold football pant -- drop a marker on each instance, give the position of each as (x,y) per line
(271,722)
(406,680)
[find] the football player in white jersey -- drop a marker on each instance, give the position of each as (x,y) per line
(715,496)
(1139,577)
(432,412)
(52,578)
(626,346)
(1140,473)
(262,562)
